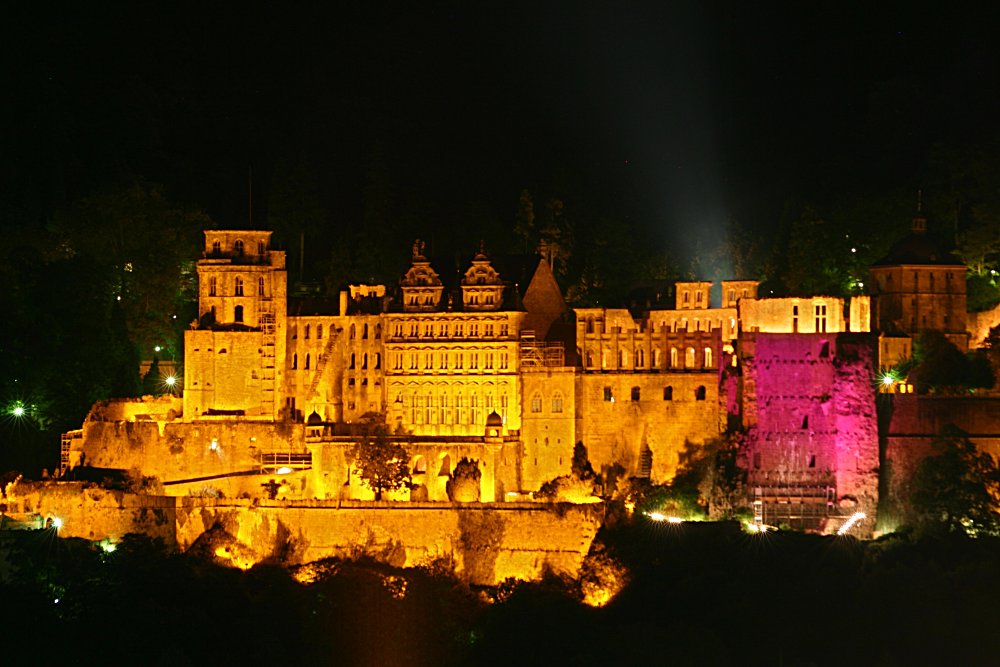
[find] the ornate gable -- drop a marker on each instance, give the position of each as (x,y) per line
(482,288)
(421,285)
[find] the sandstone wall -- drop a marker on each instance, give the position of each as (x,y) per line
(484,543)
(616,430)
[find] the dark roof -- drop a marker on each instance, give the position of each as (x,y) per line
(921,249)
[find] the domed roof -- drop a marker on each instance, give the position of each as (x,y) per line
(314,418)
(494,420)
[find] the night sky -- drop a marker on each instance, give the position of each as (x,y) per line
(678,118)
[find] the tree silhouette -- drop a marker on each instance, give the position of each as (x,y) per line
(380,463)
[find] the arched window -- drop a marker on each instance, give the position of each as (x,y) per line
(419,465)
(668,393)
(238,248)
(557,402)
(640,358)
(319,331)
(364,332)
(657,358)
(674,361)
(536,403)
(445,469)
(352,332)
(295,362)
(239,286)
(378,360)
(352,361)
(708,357)
(636,392)
(260,286)
(216,248)
(689,358)
(590,325)
(378,330)
(699,394)
(238,314)
(212,284)
(590,359)
(307,362)
(306,333)
(364,360)
(261,247)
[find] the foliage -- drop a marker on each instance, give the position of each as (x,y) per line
(380,463)
(957,490)
(709,482)
(578,486)
(939,366)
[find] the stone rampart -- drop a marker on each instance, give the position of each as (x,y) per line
(484,543)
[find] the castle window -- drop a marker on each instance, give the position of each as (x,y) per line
(261,247)
(307,362)
(795,319)
(668,393)
(621,358)
(640,358)
(489,330)
(474,360)
(378,360)
(428,330)
(239,286)
(636,392)
(590,325)
(306,332)
(503,360)
(238,248)
(488,357)
(708,357)
(216,248)
(608,396)
(474,330)
(698,297)
(812,460)
(699,394)
(238,314)
(805,422)
(536,403)
(351,365)
(732,297)
(364,332)
(212,283)
(295,362)
(351,334)
(821,318)
(260,286)
(557,402)
(378,331)
(504,330)
(687,297)
(674,357)
(689,358)
(419,465)
(319,331)
(364,360)
(590,359)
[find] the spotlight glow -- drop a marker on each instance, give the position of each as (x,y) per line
(283,470)
(887,380)
(18,411)
(855,518)
(656,516)
(57,523)
(170,380)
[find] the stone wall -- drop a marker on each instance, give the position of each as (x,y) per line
(484,543)
(615,428)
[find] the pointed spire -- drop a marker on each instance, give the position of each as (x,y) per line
(919,225)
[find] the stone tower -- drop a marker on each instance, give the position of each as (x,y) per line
(235,352)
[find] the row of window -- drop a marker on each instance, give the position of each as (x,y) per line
(450,330)
(557,403)
(639,357)
(695,324)
(238,286)
(239,248)
(668,394)
(459,360)
(819,312)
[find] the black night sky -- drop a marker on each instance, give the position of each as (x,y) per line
(677,118)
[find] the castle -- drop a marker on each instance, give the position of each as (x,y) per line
(488,364)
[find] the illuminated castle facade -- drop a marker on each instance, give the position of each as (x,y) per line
(488,364)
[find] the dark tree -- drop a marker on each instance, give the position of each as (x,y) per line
(380,463)
(958,489)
